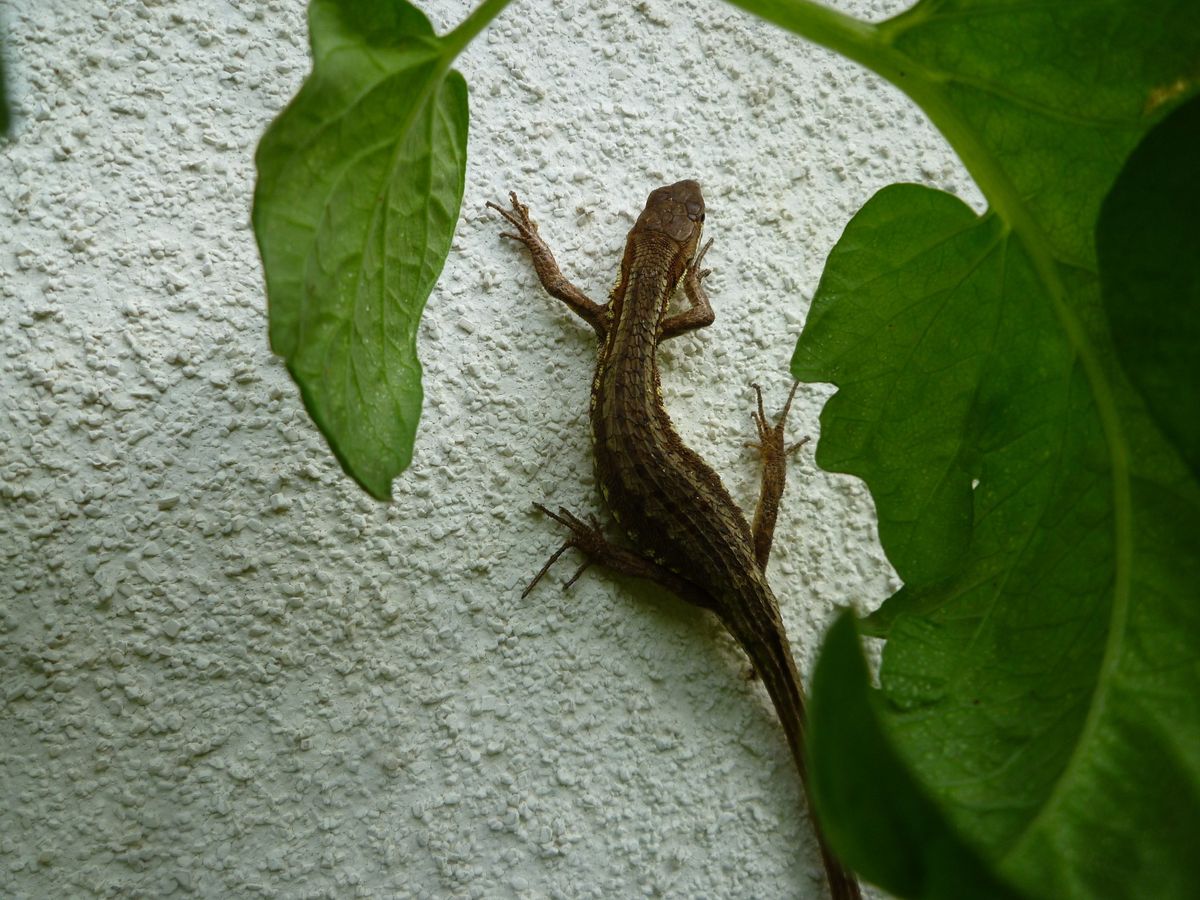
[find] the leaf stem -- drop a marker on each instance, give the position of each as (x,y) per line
(456,40)
(853,38)
(871,46)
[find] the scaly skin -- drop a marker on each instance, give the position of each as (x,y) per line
(689,535)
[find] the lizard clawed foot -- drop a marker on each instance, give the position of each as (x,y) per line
(770,437)
(585,536)
(693,269)
(518,218)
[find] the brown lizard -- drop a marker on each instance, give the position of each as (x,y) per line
(690,537)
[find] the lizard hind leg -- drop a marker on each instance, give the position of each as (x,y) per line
(774,451)
(584,535)
(589,539)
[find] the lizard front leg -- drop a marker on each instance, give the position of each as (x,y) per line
(590,540)
(700,314)
(774,473)
(548,272)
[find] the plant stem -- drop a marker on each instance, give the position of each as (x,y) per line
(456,40)
(852,38)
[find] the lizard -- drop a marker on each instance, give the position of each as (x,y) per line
(685,531)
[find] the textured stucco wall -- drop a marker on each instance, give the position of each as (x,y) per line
(225,671)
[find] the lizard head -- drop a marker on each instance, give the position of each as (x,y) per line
(676,211)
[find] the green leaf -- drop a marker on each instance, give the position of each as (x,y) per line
(886,828)
(1148,245)
(360,180)
(1039,679)
(1044,100)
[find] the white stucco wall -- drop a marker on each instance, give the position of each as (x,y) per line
(227,672)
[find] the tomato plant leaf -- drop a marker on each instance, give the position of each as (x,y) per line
(360,180)
(1044,100)
(1148,246)
(1040,670)
(886,828)
(1032,683)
